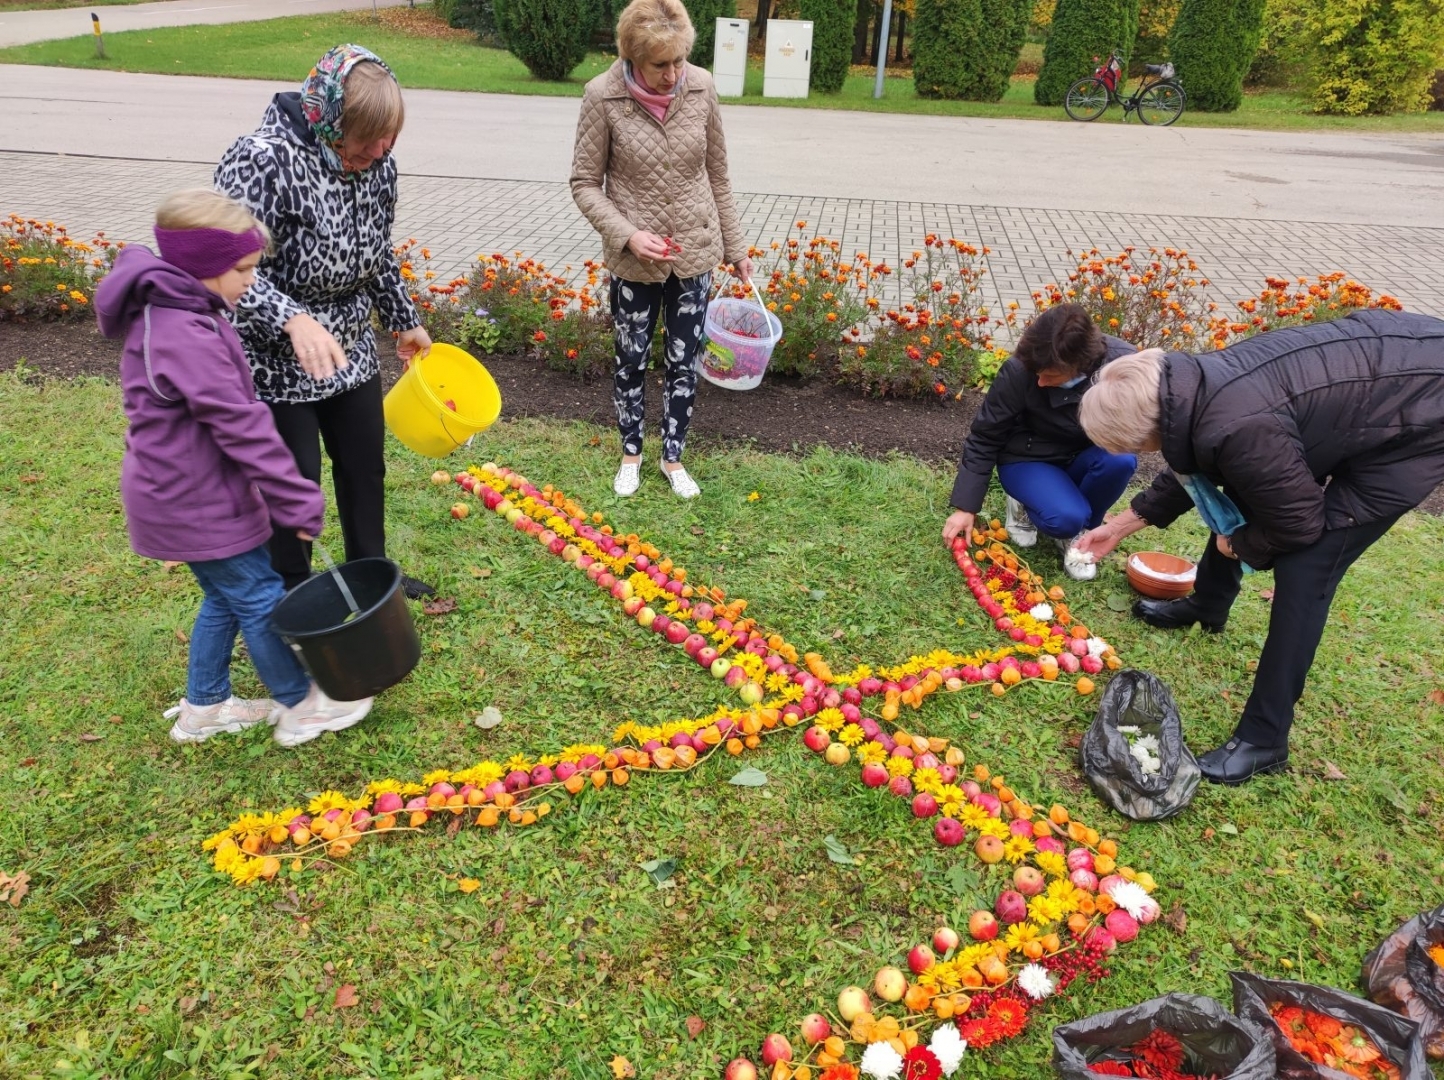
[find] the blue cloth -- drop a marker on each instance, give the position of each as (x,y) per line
(241,593)
(1064,500)
(1217,510)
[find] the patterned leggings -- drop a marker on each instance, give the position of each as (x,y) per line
(635,304)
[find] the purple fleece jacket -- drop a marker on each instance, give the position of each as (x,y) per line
(205,473)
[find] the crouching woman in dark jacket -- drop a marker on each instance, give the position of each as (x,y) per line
(1320,437)
(1057,482)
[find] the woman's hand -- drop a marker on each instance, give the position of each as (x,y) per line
(650,247)
(1100,541)
(744,270)
(1225,548)
(302,534)
(411,344)
(959,523)
(319,354)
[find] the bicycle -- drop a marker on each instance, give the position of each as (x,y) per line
(1158,102)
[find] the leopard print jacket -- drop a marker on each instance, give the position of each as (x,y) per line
(332,256)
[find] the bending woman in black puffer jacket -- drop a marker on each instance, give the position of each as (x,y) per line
(319,173)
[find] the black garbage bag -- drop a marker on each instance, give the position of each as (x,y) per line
(1401,975)
(1142,700)
(1215,1041)
(1394,1035)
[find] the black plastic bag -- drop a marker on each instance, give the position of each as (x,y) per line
(1214,1039)
(1395,1036)
(1142,700)
(1401,975)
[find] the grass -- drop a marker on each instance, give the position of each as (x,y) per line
(53,5)
(129,959)
(280,48)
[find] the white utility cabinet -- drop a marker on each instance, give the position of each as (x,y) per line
(788,67)
(729,57)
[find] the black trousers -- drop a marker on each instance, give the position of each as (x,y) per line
(1304,585)
(352,427)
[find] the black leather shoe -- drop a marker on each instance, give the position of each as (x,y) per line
(1237,761)
(414,589)
(1176,614)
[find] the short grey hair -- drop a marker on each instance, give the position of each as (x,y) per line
(1120,412)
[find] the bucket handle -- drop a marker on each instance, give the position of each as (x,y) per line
(767,316)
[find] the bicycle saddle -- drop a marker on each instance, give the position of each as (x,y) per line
(1166,70)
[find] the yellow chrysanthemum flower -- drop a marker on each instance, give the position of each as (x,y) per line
(871,753)
(328,800)
(518,761)
(1017,849)
(776,682)
(899,766)
(993,827)
(1051,863)
(829,719)
(1019,934)
(973,816)
(951,801)
(437,776)
(928,780)
(1044,910)
(412,788)
(381,787)
(850,735)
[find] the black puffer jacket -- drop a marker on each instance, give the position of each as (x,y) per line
(1314,428)
(1022,421)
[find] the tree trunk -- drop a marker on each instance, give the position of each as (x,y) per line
(902,25)
(877,47)
(859,31)
(764,12)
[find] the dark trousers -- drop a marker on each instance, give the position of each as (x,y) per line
(1304,586)
(352,427)
(682,305)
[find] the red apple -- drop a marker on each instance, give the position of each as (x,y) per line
(920,959)
(948,832)
(924,805)
(874,775)
(816,739)
(982,926)
(740,1069)
(945,940)
(693,644)
(676,632)
(989,849)
(1029,880)
(815,1029)
(1010,907)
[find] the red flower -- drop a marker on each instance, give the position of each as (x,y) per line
(1160,1049)
(844,1071)
(920,1063)
(980,1033)
(1110,1068)
(1011,1015)
(539,336)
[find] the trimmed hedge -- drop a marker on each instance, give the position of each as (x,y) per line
(968,49)
(550,37)
(704,15)
(832,26)
(1081,31)
(1213,45)
(1374,56)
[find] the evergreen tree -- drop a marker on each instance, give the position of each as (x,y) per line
(832,25)
(1083,34)
(968,49)
(1212,45)
(704,15)
(549,36)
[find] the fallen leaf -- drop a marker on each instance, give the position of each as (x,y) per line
(481,571)
(1118,602)
(695,1024)
(1232,830)
(468,884)
(1332,771)
(836,852)
(13,889)
(25,764)
(180,635)
(1437,697)
(32,478)
(440,606)
(170,564)
(346,996)
(838,635)
(621,1067)
(188,1004)
(115,720)
(1208,833)
(660,871)
(1176,920)
(454,826)
(1317,920)
(490,717)
(595,440)
(90,736)
(749,778)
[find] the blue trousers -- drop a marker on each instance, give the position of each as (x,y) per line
(240,594)
(1064,500)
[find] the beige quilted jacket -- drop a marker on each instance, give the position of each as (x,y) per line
(629,172)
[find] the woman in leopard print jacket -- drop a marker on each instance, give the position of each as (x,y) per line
(320,174)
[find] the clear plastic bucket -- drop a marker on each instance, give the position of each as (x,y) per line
(740,338)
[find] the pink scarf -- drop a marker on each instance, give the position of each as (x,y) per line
(655,103)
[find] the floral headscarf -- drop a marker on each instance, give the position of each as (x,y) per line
(323,96)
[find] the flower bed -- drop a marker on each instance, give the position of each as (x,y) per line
(44,274)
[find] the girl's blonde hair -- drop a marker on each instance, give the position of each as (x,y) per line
(1121,412)
(654,30)
(372,107)
(202,208)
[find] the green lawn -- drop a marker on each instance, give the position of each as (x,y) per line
(285,48)
(51,5)
(129,959)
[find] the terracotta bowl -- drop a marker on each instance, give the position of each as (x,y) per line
(1159,575)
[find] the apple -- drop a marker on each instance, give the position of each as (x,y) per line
(566,770)
(645,617)
(924,805)
(815,1029)
(1091,664)
(720,667)
(441,478)
(852,695)
(982,926)
(460,510)
(816,739)
(605,580)
(920,959)
(1123,926)
(704,611)
(1100,939)
(837,754)
(751,693)
(776,1048)
(542,774)
(633,604)
(874,775)
(1080,858)
(945,940)
(852,1003)
(948,832)
(1010,907)
(660,623)
(735,677)
(1068,663)
(890,984)
(900,786)
(1029,880)
(706,656)
(677,634)
(740,1069)
(693,644)
(1084,879)
(989,849)
(388,802)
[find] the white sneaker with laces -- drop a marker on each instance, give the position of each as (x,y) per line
(197,723)
(681,483)
(315,714)
(1021,530)
(1078,565)
(629,478)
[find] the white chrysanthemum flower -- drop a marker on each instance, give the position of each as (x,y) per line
(1128,729)
(1035,981)
(1149,743)
(880,1060)
(1097,646)
(1131,897)
(948,1047)
(1147,763)
(1041,612)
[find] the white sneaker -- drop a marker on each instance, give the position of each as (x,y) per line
(197,723)
(315,714)
(629,478)
(681,483)
(1078,565)
(1021,530)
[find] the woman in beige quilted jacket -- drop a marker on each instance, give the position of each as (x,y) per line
(650,173)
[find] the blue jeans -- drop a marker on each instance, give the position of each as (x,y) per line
(241,592)
(1063,500)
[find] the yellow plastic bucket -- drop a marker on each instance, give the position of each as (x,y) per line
(441,401)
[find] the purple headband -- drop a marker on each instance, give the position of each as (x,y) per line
(207,253)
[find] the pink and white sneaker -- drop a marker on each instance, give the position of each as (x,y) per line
(316,714)
(197,723)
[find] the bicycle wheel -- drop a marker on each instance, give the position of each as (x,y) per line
(1087,99)
(1161,104)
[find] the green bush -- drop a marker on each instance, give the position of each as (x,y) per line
(1083,33)
(1282,58)
(1373,56)
(704,15)
(832,25)
(968,49)
(549,36)
(474,15)
(1155,21)
(1213,45)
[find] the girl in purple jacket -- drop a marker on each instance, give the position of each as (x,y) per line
(205,473)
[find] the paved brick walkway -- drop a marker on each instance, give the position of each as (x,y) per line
(458,218)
